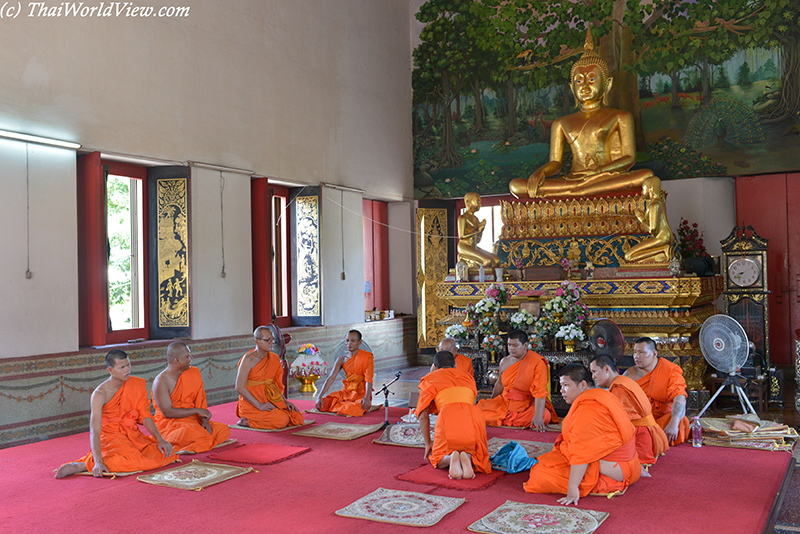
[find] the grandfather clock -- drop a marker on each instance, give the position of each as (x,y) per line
(744,269)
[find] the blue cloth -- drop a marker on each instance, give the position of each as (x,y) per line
(512,458)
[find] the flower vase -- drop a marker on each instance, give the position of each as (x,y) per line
(307,383)
(569,345)
(559,317)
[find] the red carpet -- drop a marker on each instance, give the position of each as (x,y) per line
(259,453)
(704,490)
(440,477)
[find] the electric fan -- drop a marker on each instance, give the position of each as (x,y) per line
(606,338)
(281,340)
(726,348)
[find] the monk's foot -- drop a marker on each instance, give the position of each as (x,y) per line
(456,472)
(70,469)
(466,465)
(243,422)
(644,473)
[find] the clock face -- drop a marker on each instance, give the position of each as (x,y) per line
(744,272)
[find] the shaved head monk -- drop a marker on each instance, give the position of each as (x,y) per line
(663,383)
(463,363)
(459,442)
(182,414)
(259,383)
(355,397)
(651,441)
(596,451)
(520,396)
(119,406)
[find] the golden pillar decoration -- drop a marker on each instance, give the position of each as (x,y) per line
(309,296)
(431,269)
(173,251)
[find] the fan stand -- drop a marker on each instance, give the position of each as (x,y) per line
(731,380)
(386,392)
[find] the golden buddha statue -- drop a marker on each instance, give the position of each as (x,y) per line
(654,220)
(470,230)
(602,141)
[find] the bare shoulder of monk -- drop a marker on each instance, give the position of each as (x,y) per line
(507,362)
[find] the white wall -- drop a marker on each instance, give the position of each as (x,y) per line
(312,90)
(40,314)
(402,253)
(221,306)
(342,300)
(709,202)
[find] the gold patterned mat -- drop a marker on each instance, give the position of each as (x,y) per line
(371,409)
(223,444)
(195,475)
(340,431)
(552,427)
(401,507)
(517,518)
(305,423)
(533,448)
(403,435)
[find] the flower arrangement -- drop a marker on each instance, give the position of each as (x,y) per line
(308,363)
(492,343)
(570,332)
(522,319)
(566,265)
(487,306)
(498,292)
(456,331)
(690,241)
(565,309)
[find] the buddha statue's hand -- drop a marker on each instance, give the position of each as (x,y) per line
(639,214)
(534,181)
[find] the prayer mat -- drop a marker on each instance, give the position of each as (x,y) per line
(533,448)
(431,476)
(404,435)
(305,423)
(259,453)
(371,409)
(341,431)
(194,476)
(401,507)
(223,444)
(517,518)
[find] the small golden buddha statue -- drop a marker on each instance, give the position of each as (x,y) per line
(470,230)
(602,141)
(656,248)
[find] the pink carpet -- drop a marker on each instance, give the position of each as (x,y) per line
(711,489)
(259,453)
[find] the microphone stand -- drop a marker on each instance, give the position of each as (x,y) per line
(386,392)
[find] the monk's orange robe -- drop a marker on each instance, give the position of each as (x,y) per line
(596,428)
(124,447)
(265,383)
(358,370)
(460,425)
(523,381)
(186,433)
(651,442)
(662,385)
(464,363)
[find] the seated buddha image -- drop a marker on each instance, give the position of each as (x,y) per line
(602,141)
(470,231)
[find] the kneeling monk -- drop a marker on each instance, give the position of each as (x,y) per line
(520,396)
(119,406)
(651,441)
(259,382)
(355,398)
(459,442)
(596,451)
(182,414)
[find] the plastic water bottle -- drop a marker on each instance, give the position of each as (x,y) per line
(697,432)
(481,274)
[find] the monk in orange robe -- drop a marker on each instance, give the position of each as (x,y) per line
(651,441)
(463,363)
(520,396)
(259,383)
(459,441)
(119,405)
(182,414)
(355,398)
(596,451)
(663,383)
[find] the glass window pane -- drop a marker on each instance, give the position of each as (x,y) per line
(124,229)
